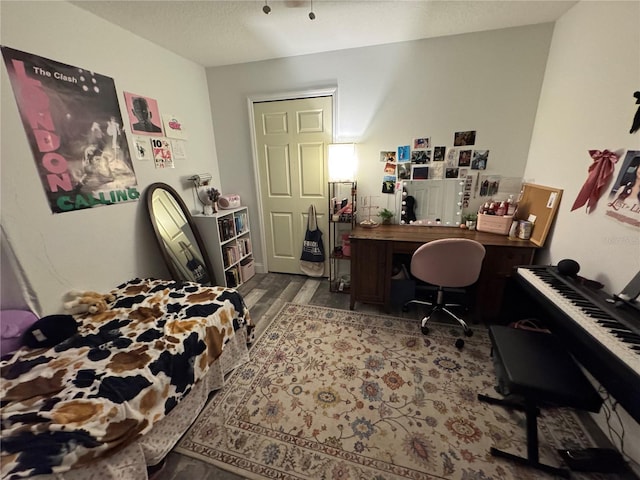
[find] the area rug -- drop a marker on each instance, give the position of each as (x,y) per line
(336,394)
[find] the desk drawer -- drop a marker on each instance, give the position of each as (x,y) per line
(497,267)
(501,260)
(370,271)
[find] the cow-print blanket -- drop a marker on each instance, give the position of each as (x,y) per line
(124,370)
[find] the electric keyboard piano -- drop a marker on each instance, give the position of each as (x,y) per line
(602,334)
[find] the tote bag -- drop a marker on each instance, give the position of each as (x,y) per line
(312,258)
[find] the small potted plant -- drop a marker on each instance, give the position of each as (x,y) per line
(470,220)
(386,215)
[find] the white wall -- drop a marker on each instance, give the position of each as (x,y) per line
(388,95)
(94,249)
(587,104)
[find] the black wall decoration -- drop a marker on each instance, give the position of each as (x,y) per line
(635,126)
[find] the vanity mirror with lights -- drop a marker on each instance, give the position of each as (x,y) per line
(431,202)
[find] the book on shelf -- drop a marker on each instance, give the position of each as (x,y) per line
(244,244)
(233,277)
(241,222)
(231,255)
(226,229)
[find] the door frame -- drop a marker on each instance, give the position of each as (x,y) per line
(275,97)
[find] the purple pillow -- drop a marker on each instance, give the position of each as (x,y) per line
(13,323)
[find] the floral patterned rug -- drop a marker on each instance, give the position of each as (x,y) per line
(336,394)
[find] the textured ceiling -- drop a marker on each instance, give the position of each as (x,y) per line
(214,33)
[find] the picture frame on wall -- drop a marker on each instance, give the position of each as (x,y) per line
(144,115)
(404,154)
(421,143)
(404,171)
(387,156)
(479,160)
(464,159)
(438,154)
(420,156)
(419,172)
(461,139)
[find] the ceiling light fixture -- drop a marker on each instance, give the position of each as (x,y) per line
(312,15)
(266,9)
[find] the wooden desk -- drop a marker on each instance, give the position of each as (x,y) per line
(372,252)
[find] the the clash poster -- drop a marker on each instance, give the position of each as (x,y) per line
(74,126)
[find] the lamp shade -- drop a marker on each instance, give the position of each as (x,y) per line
(342,161)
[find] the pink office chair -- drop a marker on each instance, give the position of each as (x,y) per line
(447,263)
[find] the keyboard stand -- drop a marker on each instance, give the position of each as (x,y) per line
(533,460)
(541,371)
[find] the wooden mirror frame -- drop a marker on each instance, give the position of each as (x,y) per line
(175,273)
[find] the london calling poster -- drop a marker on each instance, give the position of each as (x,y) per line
(74,126)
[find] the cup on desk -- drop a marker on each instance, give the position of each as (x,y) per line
(524,229)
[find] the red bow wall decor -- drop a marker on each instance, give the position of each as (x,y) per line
(599,173)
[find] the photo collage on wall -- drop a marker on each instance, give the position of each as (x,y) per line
(422,160)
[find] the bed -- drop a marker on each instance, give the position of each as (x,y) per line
(115,398)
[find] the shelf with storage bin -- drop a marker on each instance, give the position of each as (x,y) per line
(342,218)
(227,238)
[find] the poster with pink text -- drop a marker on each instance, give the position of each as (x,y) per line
(73,123)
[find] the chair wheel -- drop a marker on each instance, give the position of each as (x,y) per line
(459,344)
(468,332)
(405,308)
(425,330)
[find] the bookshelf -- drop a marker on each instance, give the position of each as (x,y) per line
(226,236)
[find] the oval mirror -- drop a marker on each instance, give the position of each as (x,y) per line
(178,238)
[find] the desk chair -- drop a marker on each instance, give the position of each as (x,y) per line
(447,263)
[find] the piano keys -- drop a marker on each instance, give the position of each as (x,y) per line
(602,334)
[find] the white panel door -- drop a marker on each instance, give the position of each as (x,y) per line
(291,140)
(428,197)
